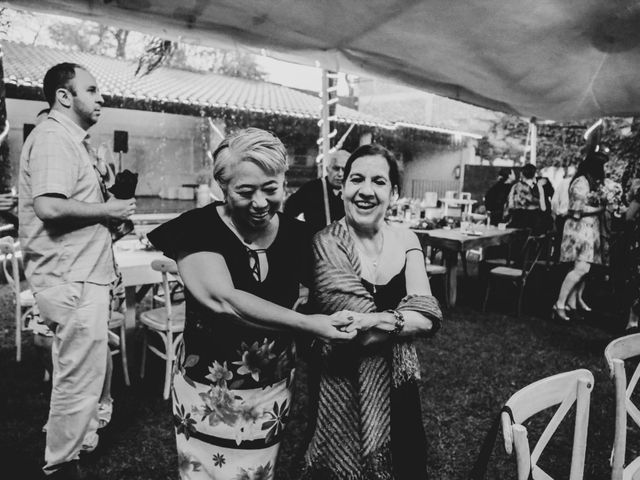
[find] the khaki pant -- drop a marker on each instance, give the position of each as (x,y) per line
(78,313)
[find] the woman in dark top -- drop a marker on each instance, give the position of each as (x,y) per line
(241,263)
(369,423)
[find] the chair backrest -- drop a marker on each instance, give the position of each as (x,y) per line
(564,390)
(431,199)
(531,251)
(10,265)
(167,268)
(615,354)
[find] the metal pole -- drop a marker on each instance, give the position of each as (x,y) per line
(534,141)
(325,126)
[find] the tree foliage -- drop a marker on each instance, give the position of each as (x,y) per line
(232,63)
(562,144)
(90,37)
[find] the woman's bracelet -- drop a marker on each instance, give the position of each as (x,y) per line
(399,325)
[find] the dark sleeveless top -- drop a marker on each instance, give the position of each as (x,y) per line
(388,296)
(255,356)
(408,441)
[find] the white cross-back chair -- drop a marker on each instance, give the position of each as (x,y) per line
(24,300)
(615,355)
(167,322)
(563,390)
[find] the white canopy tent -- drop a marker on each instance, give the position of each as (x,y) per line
(552,59)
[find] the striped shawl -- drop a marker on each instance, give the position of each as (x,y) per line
(352,436)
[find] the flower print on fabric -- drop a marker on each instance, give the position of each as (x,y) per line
(279,417)
(219,374)
(263,472)
(220,405)
(185,424)
(256,359)
(187,464)
(219,460)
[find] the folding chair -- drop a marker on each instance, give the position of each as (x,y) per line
(564,390)
(167,322)
(615,354)
(24,300)
(517,275)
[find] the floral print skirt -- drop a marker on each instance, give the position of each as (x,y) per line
(581,241)
(226,434)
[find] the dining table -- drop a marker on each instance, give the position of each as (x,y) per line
(134,261)
(455,241)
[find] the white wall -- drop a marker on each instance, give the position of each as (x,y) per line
(434,164)
(165,149)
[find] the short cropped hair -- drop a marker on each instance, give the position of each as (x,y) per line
(252,145)
(59,76)
(375,149)
(505,172)
(529,170)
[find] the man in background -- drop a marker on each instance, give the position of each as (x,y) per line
(68,258)
(495,200)
(528,202)
(310,199)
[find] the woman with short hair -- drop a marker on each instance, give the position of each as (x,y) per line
(369,422)
(241,262)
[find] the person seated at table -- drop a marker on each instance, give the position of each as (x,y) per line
(241,262)
(495,200)
(527,202)
(369,423)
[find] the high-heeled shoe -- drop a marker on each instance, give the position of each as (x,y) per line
(584,306)
(573,313)
(559,313)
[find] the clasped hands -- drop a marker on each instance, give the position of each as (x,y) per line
(349,321)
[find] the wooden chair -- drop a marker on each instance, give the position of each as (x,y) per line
(24,300)
(435,270)
(564,390)
(517,275)
(615,354)
(303,299)
(167,322)
(119,343)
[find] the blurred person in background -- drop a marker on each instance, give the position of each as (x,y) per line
(311,201)
(527,202)
(495,200)
(581,243)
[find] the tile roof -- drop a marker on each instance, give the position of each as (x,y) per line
(25,65)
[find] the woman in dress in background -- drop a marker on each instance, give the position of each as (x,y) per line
(241,262)
(581,237)
(369,422)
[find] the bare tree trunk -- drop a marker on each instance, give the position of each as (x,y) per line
(121,39)
(5,164)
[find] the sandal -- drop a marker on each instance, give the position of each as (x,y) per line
(105,409)
(558,313)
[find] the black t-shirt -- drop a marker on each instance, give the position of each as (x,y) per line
(255,356)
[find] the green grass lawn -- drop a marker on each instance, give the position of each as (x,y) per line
(468,370)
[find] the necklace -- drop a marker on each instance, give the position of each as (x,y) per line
(372,262)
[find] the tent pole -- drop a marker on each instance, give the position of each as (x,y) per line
(325,126)
(534,140)
(326,142)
